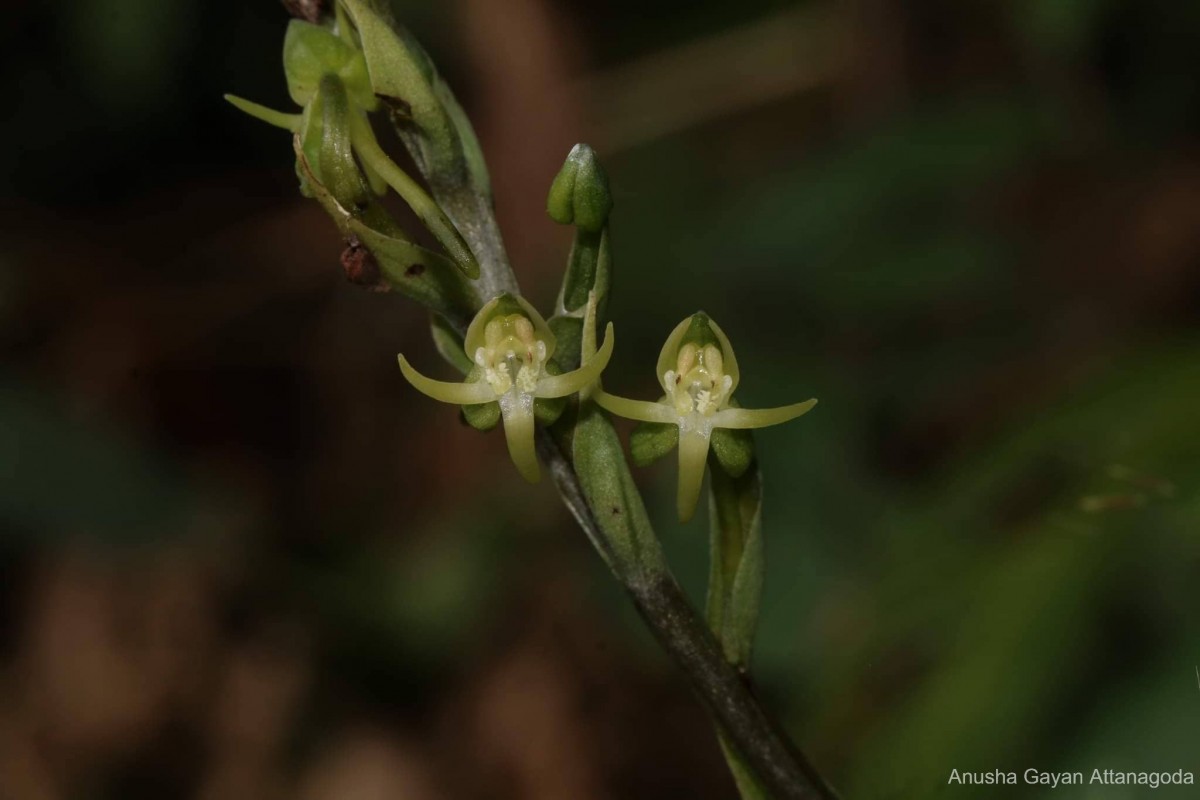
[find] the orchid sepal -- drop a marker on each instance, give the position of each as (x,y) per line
(457,392)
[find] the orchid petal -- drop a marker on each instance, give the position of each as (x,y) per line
(280,119)
(587,374)
(760,417)
(640,410)
(731,364)
(460,394)
(670,350)
(587,344)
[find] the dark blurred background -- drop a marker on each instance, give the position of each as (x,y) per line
(241,558)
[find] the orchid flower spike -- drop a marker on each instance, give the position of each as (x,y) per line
(511,345)
(699,373)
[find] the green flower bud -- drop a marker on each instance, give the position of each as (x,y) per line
(580,195)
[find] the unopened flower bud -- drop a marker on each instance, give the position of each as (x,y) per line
(580,195)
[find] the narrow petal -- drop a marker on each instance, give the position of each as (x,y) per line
(693,454)
(280,119)
(760,417)
(587,374)
(517,411)
(670,350)
(587,344)
(731,364)
(641,410)
(460,394)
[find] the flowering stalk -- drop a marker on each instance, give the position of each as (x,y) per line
(524,371)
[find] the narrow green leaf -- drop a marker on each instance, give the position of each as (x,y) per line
(735,582)
(610,491)
(472,152)
(449,343)
(568,331)
(736,560)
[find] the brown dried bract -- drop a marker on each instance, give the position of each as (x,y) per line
(360,266)
(310,10)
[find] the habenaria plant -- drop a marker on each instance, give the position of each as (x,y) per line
(349,67)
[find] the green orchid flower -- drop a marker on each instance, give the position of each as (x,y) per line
(511,345)
(699,373)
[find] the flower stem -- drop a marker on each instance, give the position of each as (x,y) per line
(637,565)
(687,640)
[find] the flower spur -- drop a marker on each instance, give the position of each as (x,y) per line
(699,373)
(511,346)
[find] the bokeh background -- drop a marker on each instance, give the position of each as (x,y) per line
(241,558)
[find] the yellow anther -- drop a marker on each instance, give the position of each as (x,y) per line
(686,359)
(523,328)
(713,362)
(494,332)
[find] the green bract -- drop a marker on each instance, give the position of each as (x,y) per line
(698,372)
(511,345)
